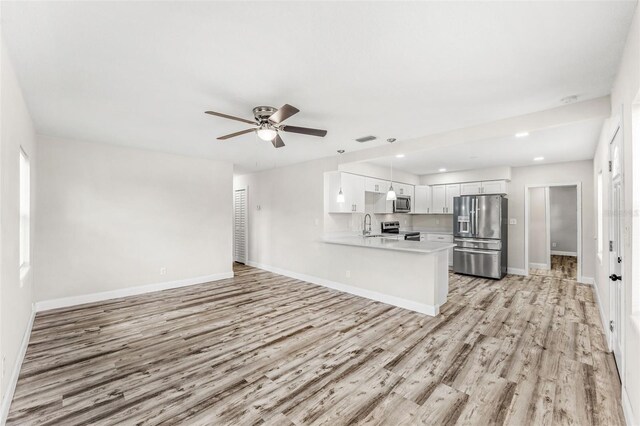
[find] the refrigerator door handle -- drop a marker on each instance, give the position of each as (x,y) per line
(472,216)
(466,250)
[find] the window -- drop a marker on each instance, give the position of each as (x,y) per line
(25,211)
(600,216)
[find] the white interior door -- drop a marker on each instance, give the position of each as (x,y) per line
(240,226)
(616,246)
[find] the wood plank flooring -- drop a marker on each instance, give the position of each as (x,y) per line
(263,348)
(561,267)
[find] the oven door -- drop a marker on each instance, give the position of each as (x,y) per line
(402,205)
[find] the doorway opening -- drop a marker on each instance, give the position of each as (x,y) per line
(240,227)
(553,231)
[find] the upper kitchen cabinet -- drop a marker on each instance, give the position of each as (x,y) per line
(486,187)
(442,198)
(422,199)
(353,188)
(403,189)
(494,187)
(374,185)
(471,188)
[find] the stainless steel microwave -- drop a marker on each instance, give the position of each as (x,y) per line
(402,204)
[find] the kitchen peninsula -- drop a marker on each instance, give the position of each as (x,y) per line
(409,274)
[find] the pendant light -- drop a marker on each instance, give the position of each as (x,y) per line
(391,194)
(340,197)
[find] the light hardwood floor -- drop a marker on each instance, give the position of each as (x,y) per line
(266,348)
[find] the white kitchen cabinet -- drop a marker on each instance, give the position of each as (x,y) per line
(485,187)
(442,198)
(442,238)
(421,199)
(494,187)
(374,185)
(352,188)
(471,188)
(382,206)
(452,191)
(438,198)
(403,189)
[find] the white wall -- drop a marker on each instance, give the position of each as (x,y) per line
(110,217)
(380,172)
(623,96)
(562,215)
(16,130)
(559,173)
(491,173)
(538,226)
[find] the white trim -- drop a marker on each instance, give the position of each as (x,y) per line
(64,302)
(564,253)
(626,409)
(587,280)
(13,380)
(543,266)
(547,225)
(516,271)
(432,310)
(578,186)
(603,318)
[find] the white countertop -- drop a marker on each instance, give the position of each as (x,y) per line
(426,231)
(425,247)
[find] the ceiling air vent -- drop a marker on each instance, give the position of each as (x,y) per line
(365,139)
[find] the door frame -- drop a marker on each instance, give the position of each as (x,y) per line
(617,129)
(527,202)
(246,224)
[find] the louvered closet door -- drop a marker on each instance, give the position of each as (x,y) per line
(240,226)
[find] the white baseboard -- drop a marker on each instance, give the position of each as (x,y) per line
(587,280)
(65,302)
(605,322)
(564,253)
(626,409)
(422,308)
(516,271)
(538,266)
(13,380)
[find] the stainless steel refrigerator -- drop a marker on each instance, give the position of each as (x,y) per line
(480,230)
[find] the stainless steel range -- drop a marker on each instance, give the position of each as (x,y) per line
(480,231)
(393,228)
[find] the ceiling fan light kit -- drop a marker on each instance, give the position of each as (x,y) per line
(268,123)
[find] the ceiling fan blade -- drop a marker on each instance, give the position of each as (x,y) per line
(233,135)
(304,131)
(230,117)
(277,142)
(283,113)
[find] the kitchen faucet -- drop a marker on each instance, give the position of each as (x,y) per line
(366,231)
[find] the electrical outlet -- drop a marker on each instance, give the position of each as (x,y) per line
(513,222)
(163,271)
(258,207)
(317,222)
(554,245)
(347,274)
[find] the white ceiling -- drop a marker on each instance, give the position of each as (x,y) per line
(571,142)
(142,73)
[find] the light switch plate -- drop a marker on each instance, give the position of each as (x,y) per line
(513,222)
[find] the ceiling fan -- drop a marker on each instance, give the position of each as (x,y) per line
(268,123)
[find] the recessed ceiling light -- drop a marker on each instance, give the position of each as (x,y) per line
(522,134)
(538,159)
(400,156)
(442,170)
